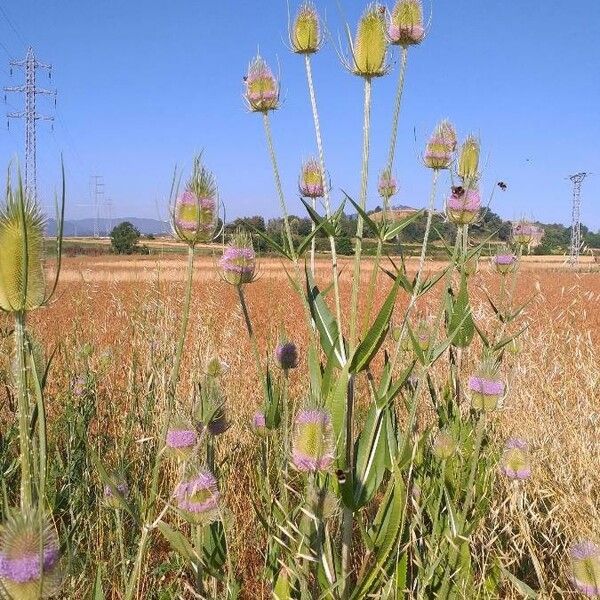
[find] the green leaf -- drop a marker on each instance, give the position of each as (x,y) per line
(98,590)
(178,542)
(271,242)
(325,322)
(321,222)
(375,229)
(461,320)
(371,343)
(520,585)
(393,231)
(401,573)
(336,404)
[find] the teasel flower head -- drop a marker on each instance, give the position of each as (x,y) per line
(387,186)
(486,389)
(468,161)
(238,263)
(523,233)
(197,497)
(313,441)
(22,281)
(463,206)
(444,445)
(440,148)
(196,210)
(215,367)
(405,26)
(305,31)
(181,439)
(286,355)
(262,88)
(115,491)
(369,50)
(29,555)
(504,263)
(259,423)
(585,568)
(311,183)
(515,463)
(423,334)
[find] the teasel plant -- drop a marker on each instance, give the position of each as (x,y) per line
(29,547)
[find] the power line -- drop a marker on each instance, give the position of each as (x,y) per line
(30,64)
(12,26)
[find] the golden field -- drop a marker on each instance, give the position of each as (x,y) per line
(128,310)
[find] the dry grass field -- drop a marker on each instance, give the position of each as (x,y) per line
(118,317)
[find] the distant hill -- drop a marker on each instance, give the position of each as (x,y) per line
(85,227)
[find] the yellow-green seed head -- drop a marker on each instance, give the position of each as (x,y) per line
(406,23)
(468,162)
(305,33)
(22,282)
(262,89)
(370,45)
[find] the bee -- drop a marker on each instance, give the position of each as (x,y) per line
(245,77)
(458,190)
(341,476)
(502,186)
(382,9)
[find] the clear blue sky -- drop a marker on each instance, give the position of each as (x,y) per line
(144,85)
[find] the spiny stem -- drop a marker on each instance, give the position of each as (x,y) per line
(326,200)
(184,324)
(430,210)
(396,114)
(360,223)
(249,327)
(278,185)
(23,399)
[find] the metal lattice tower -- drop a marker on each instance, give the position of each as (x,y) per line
(97,187)
(30,65)
(575,248)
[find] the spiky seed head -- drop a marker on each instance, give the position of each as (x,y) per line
(504,263)
(197,498)
(444,445)
(215,367)
(523,232)
(441,146)
(463,206)
(181,439)
(238,263)
(313,441)
(29,552)
(387,185)
(486,388)
(22,282)
(196,211)
(286,355)
(116,491)
(262,89)
(585,568)
(370,45)
(406,23)
(515,463)
(468,161)
(305,33)
(311,183)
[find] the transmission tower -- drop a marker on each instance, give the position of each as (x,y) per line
(97,187)
(577,180)
(30,65)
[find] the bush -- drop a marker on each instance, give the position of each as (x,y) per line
(124,238)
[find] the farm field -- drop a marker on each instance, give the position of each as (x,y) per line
(114,320)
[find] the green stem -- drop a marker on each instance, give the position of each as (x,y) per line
(23,401)
(326,199)
(249,328)
(430,211)
(184,324)
(278,185)
(119,525)
(372,284)
(360,223)
(137,566)
(396,114)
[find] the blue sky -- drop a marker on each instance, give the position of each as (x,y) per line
(143,86)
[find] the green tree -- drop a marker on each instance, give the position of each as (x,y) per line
(124,238)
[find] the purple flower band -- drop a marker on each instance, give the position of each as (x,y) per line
(27,567)
(181,438)
(489,387)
